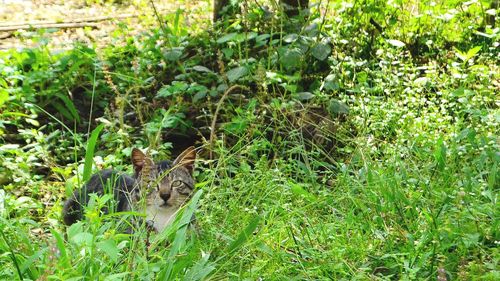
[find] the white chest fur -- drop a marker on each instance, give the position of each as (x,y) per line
(161,216)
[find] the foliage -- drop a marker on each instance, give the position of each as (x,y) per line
(361,143)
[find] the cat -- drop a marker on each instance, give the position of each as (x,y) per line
(165,185)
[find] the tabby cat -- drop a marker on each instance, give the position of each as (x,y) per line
(166,186)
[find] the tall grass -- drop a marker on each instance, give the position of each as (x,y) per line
(377,162)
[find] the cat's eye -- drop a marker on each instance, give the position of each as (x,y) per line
(184,191)
(177,184)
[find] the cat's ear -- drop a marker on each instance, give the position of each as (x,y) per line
(140,160)
(186,159)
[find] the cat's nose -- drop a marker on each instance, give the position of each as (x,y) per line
(165,196)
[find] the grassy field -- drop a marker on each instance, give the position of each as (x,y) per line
(357,143)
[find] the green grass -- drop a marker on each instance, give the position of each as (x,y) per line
(397,217)
(343,154)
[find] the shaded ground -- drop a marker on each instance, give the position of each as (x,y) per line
(138,16)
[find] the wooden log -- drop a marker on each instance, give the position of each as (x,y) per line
(51,25)
(80,20)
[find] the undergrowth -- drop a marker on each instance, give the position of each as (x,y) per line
(359,141)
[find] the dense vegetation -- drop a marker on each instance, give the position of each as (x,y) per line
(358,142)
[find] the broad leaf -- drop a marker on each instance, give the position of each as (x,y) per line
(304,96)
(236,73)
(198,96)
(109,247)
(227,37)
(321,51)
(173,54)
(82,238)
(290,38)
(291,58)
(472,52)
(337,107)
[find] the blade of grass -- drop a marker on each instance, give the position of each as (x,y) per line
(13,257)
(243,236)
(26,265)
(89,154)
(180,235)
(62,247)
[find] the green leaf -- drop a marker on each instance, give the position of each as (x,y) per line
(236,73)
(109,247)
(362,77)
(462,56)
(243,236)
(62,110)
(164,92)
(290,38)
(89,153)
(177,87)
(291,58)
(321,51)
(32,122)
(237,125)
(421,81)
(227,37)
(82,238)
(27,263)
(337,107)
(471,239)
(396,43)
(117,276)
(330,83)
(262,37)
(297,189)
(201,68)
(180,236)
(250,35)
(4,96)
(198,96)
(173,54)
(201,269)
(228,53)
(472,52)
(261,40)
(61,245)
(74,229)
(440,154)
(492,177)
(195,88)
(70,106)
(304,96)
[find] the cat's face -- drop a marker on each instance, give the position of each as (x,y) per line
(166,184)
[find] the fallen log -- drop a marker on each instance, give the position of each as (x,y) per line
(87,19)
(51,25)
